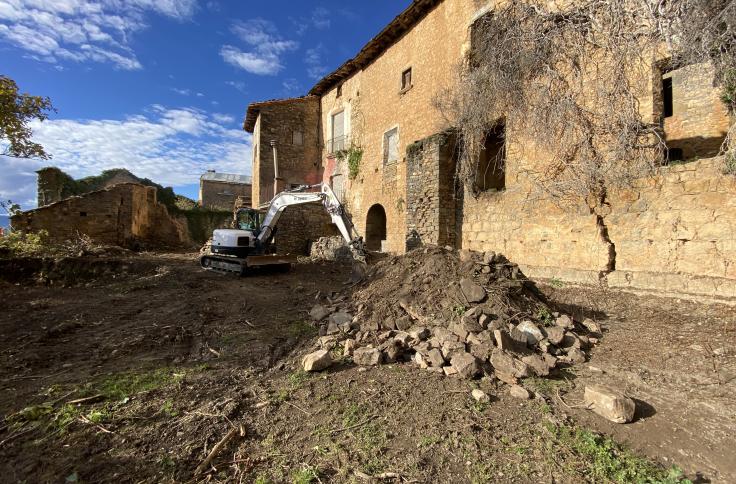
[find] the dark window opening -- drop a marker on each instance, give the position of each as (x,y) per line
(339,91)
(668,109)
(82,214)
(406,79)
(491,173)
(675,154)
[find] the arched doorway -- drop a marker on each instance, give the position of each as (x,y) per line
(375,227)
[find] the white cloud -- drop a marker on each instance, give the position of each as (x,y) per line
(83,30)
(291,86)
(239,85)
(170,146)
(265,51)
(183,92)
(321,18)
(314,59)
(223,118)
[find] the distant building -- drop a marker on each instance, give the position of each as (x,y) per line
(221,190)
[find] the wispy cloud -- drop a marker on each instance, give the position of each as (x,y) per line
(266,47)
(291,86)
(170,146)
(314,59)
(183,92)
(83,30)
(321,18)
(239,85)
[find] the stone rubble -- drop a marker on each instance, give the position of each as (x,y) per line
(463,317)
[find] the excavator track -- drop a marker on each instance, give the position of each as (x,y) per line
(223,264)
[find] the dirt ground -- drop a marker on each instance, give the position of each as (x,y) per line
(133,369)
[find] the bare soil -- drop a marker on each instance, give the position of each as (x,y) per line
(172,358)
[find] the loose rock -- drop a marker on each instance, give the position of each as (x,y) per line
(480,396)
(472,291)
(518,391)
(610,404)
(319,312)
(565,321)
(466,365)
(317,361)
(533,333)
(367,356)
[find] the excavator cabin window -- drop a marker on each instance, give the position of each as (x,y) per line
(248,220)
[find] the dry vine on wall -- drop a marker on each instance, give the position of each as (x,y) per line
(577,82)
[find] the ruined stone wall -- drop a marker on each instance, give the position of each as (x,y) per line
(222,195)
(300,226)
(430,192)
(299,163)
(700,121)
(125,214)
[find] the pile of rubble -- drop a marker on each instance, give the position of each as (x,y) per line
(330,249)
(459,314)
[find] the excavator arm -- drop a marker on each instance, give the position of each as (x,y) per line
(308,194)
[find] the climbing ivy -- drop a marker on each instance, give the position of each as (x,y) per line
(353,155)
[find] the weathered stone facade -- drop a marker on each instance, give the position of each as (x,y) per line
(126,214)
(219,191)
(674,232)
(292,124)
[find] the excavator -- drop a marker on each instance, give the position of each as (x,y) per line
(251,245)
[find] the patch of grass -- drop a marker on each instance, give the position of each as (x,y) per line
(168,409)
(122,385)
(262,479)
(546,385)
(352,414)
(301,329)
(306,475)
(556,283)
(459,309)
(605,460)
(545,316)
(428,441)
(298,378)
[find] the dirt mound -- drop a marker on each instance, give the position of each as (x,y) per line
(71,271)
(461,314)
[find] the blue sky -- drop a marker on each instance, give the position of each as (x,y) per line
(161,86)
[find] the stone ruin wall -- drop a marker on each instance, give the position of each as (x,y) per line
(673,233)
(300,226)
(127,215)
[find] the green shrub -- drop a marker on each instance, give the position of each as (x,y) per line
(26,244)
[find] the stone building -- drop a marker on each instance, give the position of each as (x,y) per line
(126,214)
(219,191)
(675,232)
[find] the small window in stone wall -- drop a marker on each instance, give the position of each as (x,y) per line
(491,173)
(391,146)
(297,137)
(406,79)
(82,214)
(667,98)
(339,91)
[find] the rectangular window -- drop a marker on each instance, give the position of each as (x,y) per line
(406,79)
(337,141)
(297,137)
(668,108)
(391,146)
(491,173)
